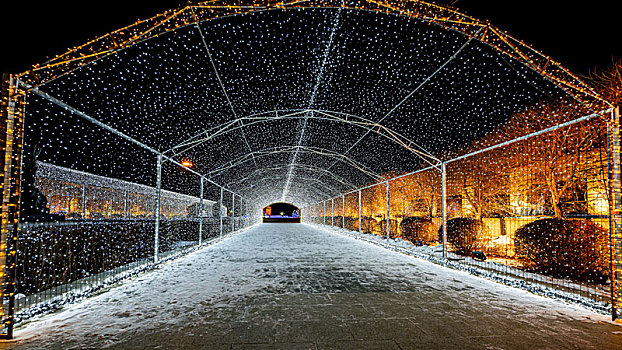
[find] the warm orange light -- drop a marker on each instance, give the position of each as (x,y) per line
(187,163)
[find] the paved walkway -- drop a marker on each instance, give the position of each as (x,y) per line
(292,286)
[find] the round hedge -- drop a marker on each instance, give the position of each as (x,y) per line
(370,225)
(564,248)
(464,234)
(418,229)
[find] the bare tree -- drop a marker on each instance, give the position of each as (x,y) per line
(608,82)
(481,181)
(416,195)
(550,169)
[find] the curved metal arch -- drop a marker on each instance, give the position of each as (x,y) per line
(299,200)
(300,166)
(332,190)
(182,17)
(341,117)
(291,149)
(303,200)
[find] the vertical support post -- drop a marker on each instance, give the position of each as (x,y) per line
(360,211)
(220,209)
(156,240)
(343,211)
(615,208)
(232,212)
(83,201)
(125,203)
(444,207)
(201,211)
(12,105)
(324,212)
(332,212)
(316,213)
(388,228)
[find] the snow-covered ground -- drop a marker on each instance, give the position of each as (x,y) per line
(296,286)
(596,297)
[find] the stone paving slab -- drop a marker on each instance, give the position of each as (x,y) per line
(292,286)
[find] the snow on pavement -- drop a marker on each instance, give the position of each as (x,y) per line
(296,286)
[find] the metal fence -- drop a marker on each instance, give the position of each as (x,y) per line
(77,226)
(102,230)
(537,211)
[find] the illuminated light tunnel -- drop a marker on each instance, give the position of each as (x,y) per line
(401,121)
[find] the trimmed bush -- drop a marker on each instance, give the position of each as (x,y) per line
(338,221)
(564,248)
(418,229)
(464,234)
(370,225)
(52,255)
(352,223)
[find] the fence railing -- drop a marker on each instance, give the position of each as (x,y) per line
(539,208)
(100,230)
(72,228)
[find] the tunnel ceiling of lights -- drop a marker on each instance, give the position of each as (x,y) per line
(287,101)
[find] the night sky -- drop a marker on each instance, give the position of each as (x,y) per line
(578,36)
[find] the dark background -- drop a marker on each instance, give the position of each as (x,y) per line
(579,35)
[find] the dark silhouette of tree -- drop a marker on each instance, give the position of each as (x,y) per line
(608,82)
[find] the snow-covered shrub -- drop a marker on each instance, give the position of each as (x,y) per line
(352,223)
(338,221)
(370,225)
(565,248)
(52,255)
(418,229)
(464,234)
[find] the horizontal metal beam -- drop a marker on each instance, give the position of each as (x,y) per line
(114,131)
(533,134)
(324,115)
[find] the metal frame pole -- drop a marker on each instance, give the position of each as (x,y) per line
(12,112)
(388,228)
(332,212)
(220,209)
(444,207)
(157,210)
(233,212)
(615,206)
(317,211)
(243,212)
(324,212)
(343,211)
(360,211)
(83,201)
(125,207)
(201,211)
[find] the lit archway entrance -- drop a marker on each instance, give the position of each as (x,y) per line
(281,212)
